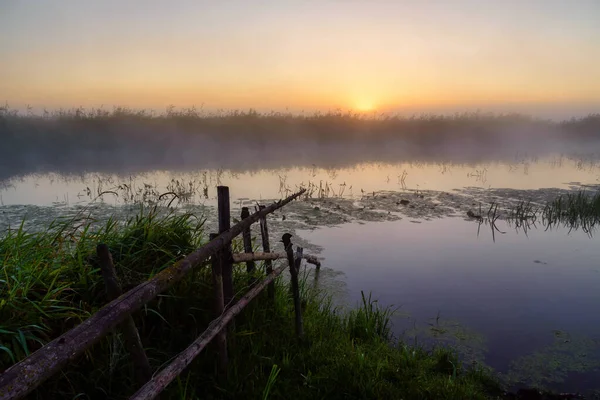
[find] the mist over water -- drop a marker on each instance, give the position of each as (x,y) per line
(129,143)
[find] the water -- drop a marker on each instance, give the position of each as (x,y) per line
(514,292)
(515,301)
(520,172)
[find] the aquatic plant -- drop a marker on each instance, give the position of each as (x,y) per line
(579,210)
(551,364)
(576,210)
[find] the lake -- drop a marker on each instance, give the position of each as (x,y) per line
(523,301)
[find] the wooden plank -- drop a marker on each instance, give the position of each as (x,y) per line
(153,388)
(26,375)
(133,343)
(219,307)
(244,257)
(264,233)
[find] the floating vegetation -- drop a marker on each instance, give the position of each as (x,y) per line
(550,208)
(469,345)
(553,363)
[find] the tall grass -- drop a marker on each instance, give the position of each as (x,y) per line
(50,282)
(50,279)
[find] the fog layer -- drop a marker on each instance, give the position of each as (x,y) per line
(133,142)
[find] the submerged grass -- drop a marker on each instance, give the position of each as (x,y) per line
(50,282)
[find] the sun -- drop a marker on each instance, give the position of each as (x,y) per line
(365,106)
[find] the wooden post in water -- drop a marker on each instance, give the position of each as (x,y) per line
(133,343)
(264,233)
(294,268)
(219,307)
(247,236)
(226,256)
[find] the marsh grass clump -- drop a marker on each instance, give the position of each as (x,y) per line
(369,319)
(50,282)
(576,210)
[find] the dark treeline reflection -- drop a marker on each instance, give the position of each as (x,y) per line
(127,141)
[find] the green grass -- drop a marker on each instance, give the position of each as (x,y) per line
(50,283)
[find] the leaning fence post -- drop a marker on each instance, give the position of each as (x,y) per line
(294,268)
(226,255)
(247,236)
(132,337)
(219,307)
(264,233)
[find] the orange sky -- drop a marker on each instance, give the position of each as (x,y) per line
(312,55)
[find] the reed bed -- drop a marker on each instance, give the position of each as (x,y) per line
(100,139)
(252,125)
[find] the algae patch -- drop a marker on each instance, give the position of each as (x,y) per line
(552,364)
(470,345)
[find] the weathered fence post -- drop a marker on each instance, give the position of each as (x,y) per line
(219,307)
(226,255)
(143,371)
(294,268)
(264,233)
(183,359)
(247,236)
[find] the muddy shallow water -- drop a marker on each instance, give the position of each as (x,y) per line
(522,301)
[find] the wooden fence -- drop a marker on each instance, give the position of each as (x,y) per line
(25,376)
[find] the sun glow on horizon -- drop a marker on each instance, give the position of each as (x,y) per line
(395,55)
(365,106)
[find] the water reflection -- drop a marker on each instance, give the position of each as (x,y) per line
(199,186)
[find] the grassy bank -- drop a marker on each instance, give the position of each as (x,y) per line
(50,282)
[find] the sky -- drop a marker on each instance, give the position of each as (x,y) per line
(514,55)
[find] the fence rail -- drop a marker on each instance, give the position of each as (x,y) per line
(23,377)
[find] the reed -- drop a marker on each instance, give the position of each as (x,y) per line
(580,210)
